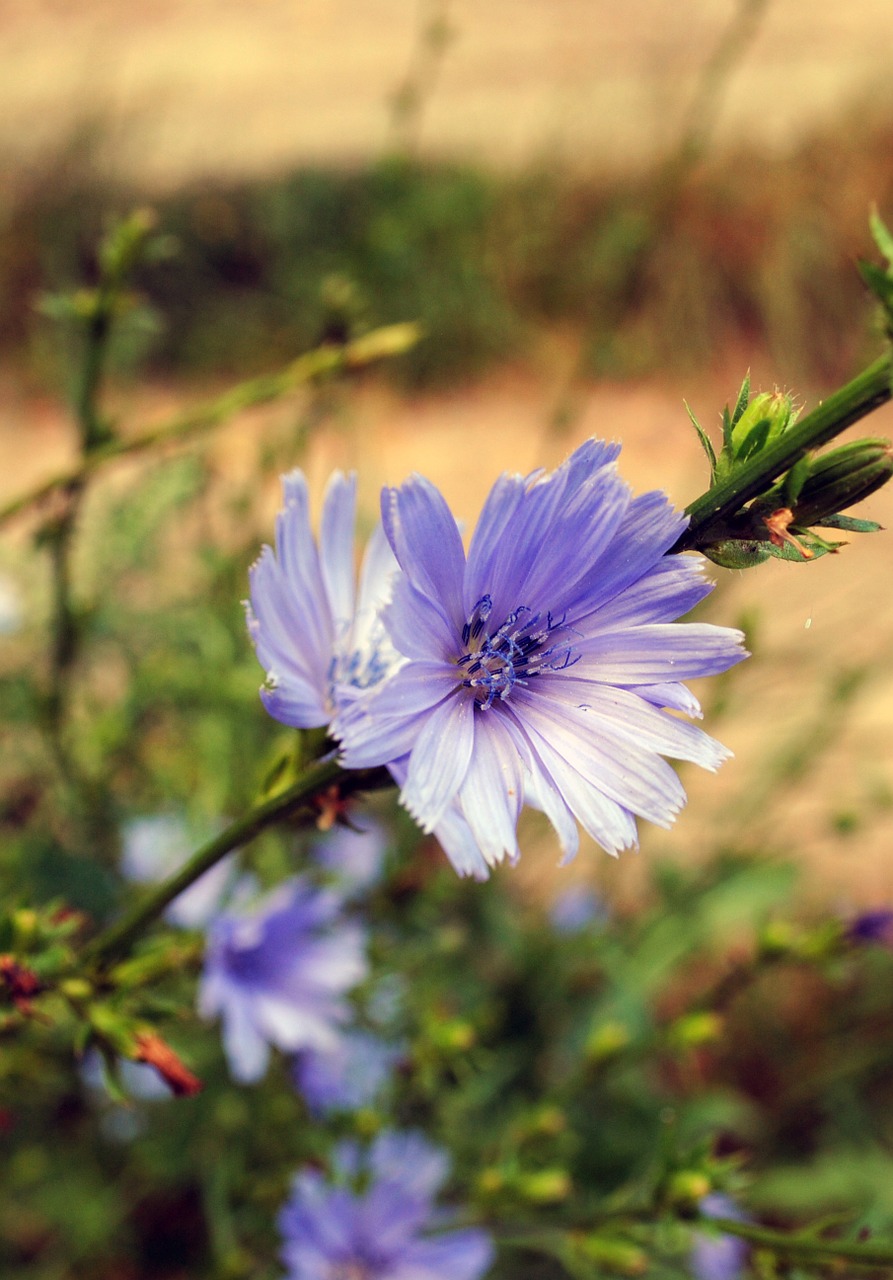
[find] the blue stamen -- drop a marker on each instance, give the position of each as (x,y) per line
(515,653)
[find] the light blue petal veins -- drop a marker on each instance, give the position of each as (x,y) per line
(298,556)
(649,528)
(439,760)
(425,538)
(675,697)
(336,541)
(452,833)
(573,546)
(658,653)
(493,791)
(417,625)
(635,778)
(623,713)
(277,627)
(668,590)
(491,544)
(377,573)
(556,781)
(458,842)
(383,727)
(541,793)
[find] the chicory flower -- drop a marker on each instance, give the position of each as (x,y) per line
(279,975)
(542,665)
(333,1231)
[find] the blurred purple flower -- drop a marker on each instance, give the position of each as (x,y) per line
(540,666)
(873,926)
(348,1076)
(718,1257)
(278,975)
(377,1234)
(156,846)
(319,638)
(355,858)
(576,908)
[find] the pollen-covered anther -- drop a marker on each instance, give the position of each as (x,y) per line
(520,649)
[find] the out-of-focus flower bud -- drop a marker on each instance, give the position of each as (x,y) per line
(694,1029)
(545,1186)
(606,1040)
(687,1187)
(613,1254)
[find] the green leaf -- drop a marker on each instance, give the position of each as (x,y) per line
(704,439)
(882,237)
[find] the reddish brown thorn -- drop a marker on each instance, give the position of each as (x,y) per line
(778,525)
(176,1075)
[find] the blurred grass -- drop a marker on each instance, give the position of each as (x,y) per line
(669,270)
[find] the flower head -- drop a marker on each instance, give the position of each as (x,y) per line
(278,975)
(336,1233)
(542,665)
(317,634)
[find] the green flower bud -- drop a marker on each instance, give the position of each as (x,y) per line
(545,1186)
(696,1029)
(606,1040)
(687,1187)
(763,419)
(613,1253)
(842,477)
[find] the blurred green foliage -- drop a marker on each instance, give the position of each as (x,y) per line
(659,271)
(591,1085)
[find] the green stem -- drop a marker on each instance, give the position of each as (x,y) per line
(867,392)
(116,941)
(805,1248)
(390,340)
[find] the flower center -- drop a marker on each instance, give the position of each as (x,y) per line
(524,646)
(367,663)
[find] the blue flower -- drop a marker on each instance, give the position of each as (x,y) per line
(541,666)
(718,1257)
(348,1076)
(319,636)
(335,1233)
(279,974)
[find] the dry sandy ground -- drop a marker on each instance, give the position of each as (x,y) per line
(810,777)
(191,87)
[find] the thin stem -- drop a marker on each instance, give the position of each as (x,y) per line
(805,1247)
(318,778)
(389,340)
(865,393)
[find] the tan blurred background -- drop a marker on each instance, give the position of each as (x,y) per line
(225,90)
(189,87)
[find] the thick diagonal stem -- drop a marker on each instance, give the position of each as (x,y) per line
(865,393)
